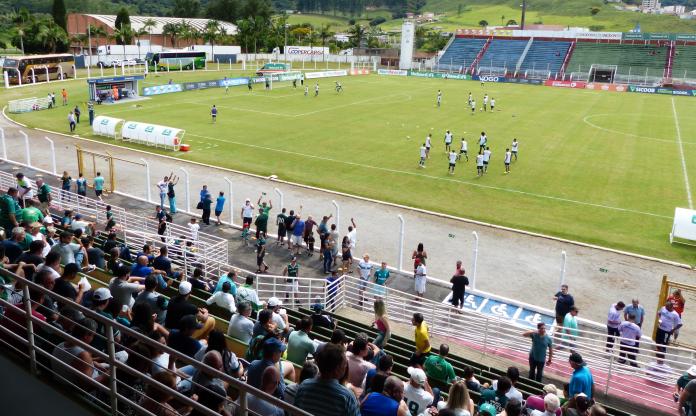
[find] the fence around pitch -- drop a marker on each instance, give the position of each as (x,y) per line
(26,336)
(137,230)
(496,337)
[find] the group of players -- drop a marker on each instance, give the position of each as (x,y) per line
(472,102)
(483,157)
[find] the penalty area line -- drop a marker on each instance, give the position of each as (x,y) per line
(681,154)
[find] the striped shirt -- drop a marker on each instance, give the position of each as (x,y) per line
(326,398)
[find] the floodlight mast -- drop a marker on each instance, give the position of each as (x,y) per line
(524,12)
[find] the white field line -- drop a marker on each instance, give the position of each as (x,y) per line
(681,154)
(464,182)
(587,121)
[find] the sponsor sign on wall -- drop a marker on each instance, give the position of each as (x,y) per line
(565,84)
(162,89)
(525,81)
(326,74)
(201,85)
(488,78)
(233,82)
(423,74)
(397,72)
(606,87)
(307,50)
(361,71)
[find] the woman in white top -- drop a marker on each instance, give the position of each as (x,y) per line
(458,400)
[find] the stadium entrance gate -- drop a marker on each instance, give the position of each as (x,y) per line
(689,293)
(602,73)
(90,162)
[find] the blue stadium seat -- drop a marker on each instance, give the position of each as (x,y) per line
(502,53)
(545,56)
(461,52)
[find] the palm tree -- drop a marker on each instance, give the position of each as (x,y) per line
(212,34)
(171,30)
(20,20)
(357,33)
(243,33)
(123,35)
(188,32)
(138,34)
(51,35)
(19,30)
(325,33)
(96,31)
(148,25)
(78,39)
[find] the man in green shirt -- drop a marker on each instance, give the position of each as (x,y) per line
(437,367)
(299,343)
(98,185)
(263,206)
(44,195)
(570,328)
(292,270)
(9,211)
(262,223)
(31,214)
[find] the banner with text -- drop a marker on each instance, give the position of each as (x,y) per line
(488,78)
(565,84)
(326,74)
(397,72)
(606,87)
(162,89)
(423,74)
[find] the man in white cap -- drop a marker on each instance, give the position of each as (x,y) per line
(179,306)
(280,318)
(417,392)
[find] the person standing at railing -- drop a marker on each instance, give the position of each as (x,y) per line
(422,340)
(173,181)
(365,268)
(162,187)
(292,271)
(678,301)
(381,323)
(668,322)
(541,342)
(43,194)
(98,185)
(9,210)
(635,309)
(564,301)
(247,212)
(581,380)
(630,334)
(219,206)
(81,185)
(420,280)
(23,189)
(613,322)
(570,328)
(205,204)
(459,283)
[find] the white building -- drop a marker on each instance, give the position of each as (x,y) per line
(650,6)
(673,10)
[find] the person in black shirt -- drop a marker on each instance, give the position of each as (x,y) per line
(63,286)
(179,306)
(95,255)
(162,262)
(564,301)
(110,243)
(321,320)
(459,283)
(182,339)
(33,256)
(12,246)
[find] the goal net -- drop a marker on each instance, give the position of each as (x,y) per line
(29,104)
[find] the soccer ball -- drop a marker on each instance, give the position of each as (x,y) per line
(480,109)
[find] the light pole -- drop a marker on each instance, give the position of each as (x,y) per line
(285,48)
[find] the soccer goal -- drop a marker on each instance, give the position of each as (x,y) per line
(29,104)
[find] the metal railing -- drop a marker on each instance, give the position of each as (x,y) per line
(137,230)
(501,338)
(27,334)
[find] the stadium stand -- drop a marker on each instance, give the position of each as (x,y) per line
(502,54)
(347,291)
(638,60)
(544,56)
(684,65)
(461,53)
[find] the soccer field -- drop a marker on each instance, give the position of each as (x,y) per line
(598,167)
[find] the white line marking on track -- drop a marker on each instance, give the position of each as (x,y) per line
(464,182)
(681,153)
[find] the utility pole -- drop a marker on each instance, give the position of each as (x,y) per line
(524,12)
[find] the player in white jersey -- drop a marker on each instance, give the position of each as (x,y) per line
(452,161)
(515,145)
(306,90)
(448,141)
(439,97)
(486,158)
(479,164)
(464,150)
(470,99)
(483,141)
(485,102)
(492,104)
(316,89)
(508,158)
(473,107)
(428,145)
(423,155)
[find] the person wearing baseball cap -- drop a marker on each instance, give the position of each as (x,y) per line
(487,409)
(581,380)
(417,391)
(273,348)
(279,318)
(688,375)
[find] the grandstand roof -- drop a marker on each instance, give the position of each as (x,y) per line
(138,22)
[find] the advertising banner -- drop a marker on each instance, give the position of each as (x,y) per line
(488,78)
(362,71)
(396,72)
(606,87)
(326,74)
(525,81)
(422,74)
(642,89)
(233,82)
(307,50)
(688,93)
(201,85)
(162,89)
(565,84)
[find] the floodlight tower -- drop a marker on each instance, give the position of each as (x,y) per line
(524,12)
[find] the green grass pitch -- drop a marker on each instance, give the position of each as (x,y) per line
(598,167)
